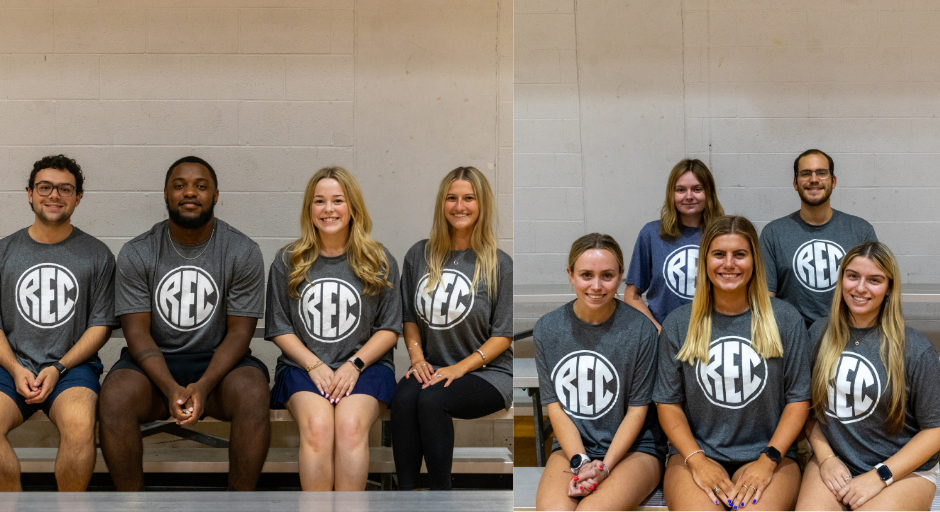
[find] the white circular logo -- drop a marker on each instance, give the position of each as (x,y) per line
(735,374)
(330,309)
(857,389)
(586,384)
(187,297)
(816,264)
(46,295)
(680,269)
(448,304)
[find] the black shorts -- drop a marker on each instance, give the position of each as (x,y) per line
(732,467)
(185,368)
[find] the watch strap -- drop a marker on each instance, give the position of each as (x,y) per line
(61,367)
(884,472)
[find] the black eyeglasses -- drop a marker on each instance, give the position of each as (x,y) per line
(44,188)
(822,174)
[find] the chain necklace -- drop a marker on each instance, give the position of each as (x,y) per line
(857,340)
(459,258)
(173,245)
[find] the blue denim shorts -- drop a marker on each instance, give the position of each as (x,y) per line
(85,375)
(377,381)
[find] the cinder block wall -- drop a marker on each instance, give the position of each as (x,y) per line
(610,95)
(268,91)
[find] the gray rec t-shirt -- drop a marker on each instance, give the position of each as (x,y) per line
(454,320)
(596,372)
(734,402)
(334,317)
(50,294)
(190,298)
(857,413)
(803,260)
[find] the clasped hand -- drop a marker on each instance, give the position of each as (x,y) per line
(36,388)
(588,478)
(714,481)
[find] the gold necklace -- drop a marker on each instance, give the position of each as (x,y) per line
(857,341)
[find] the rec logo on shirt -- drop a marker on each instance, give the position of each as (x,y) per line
(448,304)
(330,309)
(680,269)
(735,374)
(816,264)
(187,297)
(586,384)
(857,389)
(46,295)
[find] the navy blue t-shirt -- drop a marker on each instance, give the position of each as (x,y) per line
(665,270)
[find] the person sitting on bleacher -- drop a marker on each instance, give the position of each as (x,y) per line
(875,434)
(333,310)
(732,384)
(56,312)
(189,292)
(457,294)
(596,361)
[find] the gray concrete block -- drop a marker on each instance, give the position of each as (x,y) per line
(27,31)
(772,28)
(242,77)
(253,213)
(27,122)
(546,101)
(543,6)
(555,169)
(135,77)
(548,203)
(285,31)
(343,28)
(343,120)
(192,30)
(100,30)
(540,268)
(36,76)
(320,77)
(546,31)
(285,123)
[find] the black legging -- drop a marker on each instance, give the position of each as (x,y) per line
(422,425)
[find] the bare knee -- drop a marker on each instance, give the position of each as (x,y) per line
(316,433)
(351,431)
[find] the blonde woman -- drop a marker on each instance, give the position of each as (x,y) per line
(596,360)
(665,256)
(875,435)
(333,310)
(457,294)
(732,388)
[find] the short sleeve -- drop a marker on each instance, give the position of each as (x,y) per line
(102,310)
(277,319)
(770,262)
(640,272)
(131,286)
(797,359)
(246,293)
(870,235)
(923,377)
(546,389)
(408,284)
(388,315)
(501,314)
(644,366)
(668,388)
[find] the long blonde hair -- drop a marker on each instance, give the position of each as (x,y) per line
(765,337)
(890,326)
(364,255)
(482,239)
(669,229)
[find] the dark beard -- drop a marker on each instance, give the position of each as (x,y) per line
(190,222)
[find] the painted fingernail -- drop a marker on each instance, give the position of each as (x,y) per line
(716,502)
(576,479)
(592,487)
(347,393)
(581,487)
(735,507)
(755,501)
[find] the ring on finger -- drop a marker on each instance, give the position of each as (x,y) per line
(846,479)
(716,489)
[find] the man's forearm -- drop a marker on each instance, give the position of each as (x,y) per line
(7,358)
(230,352)
(90,342)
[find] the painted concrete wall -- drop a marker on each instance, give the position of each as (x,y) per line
(610,95)
(268,91)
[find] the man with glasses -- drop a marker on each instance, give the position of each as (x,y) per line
(803,250)
(56,311)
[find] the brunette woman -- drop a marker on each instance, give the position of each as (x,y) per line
(333,310)
(665,257)
(732,388)
(876,405)
(457,294)
(596,364)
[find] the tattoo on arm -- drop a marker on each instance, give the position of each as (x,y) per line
(147,353)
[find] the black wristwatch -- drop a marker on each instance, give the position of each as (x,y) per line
(577,461)
(885,474)
(61,367)
(772,454)
(358,363)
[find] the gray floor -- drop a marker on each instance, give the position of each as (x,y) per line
(477,501)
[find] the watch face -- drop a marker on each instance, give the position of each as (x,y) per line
(575,461)
(772,453)
(884,473)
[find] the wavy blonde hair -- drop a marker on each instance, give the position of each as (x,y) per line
(890,326)
(765,337)
(482,240)
(669,228)
(364,255)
